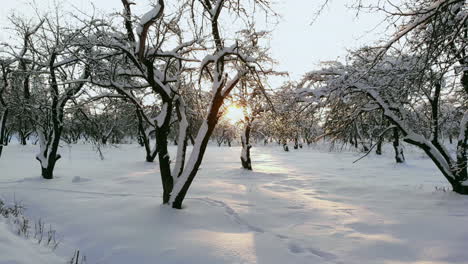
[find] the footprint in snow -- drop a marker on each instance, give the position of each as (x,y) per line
(321,253)
(80,179)
(282,236)
(297,249)
(295,207)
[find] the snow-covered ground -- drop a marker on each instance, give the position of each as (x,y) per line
(304,206)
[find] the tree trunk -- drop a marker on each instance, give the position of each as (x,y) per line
(162,132)
(23,138)
(462,151)
(140,140)
(399,157)
(144,139)
(182,137)
(164,163)
(192,141)
(245,141)
(151,156)
(3,137)
(186,178)
(47,155)
(378,151)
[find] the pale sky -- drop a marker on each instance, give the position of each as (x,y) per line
(297,45)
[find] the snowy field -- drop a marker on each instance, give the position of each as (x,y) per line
(305,206)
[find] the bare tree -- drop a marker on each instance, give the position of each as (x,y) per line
(153,54)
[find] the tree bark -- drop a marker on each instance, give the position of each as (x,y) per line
(145,138)
(378,151)
(3,137)
(399,157)
(245,141)
(162,133)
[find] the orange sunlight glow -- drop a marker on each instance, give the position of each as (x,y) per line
(234,114)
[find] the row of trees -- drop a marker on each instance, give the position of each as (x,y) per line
(167,75)
(415,84)
(156,64)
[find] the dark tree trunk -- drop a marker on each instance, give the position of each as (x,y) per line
(462,153)
(296,143)
(182,137)
(378,151)
(3,136)
(151,156)
(464,78)
(211,121)
(57,113)
(48,172)
(140,140)
(49,148)
(145,139)
(23,138)
(50,143)
(245,140)
(162,134)
(365,148)
(399,156)
(454,176)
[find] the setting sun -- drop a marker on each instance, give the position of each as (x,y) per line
(234,114)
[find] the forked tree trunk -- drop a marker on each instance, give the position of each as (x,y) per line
(23,138)
(186,178)
(49,141)
(47,155)
(197,154)
(151,155)
(144,139)
(399,156)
